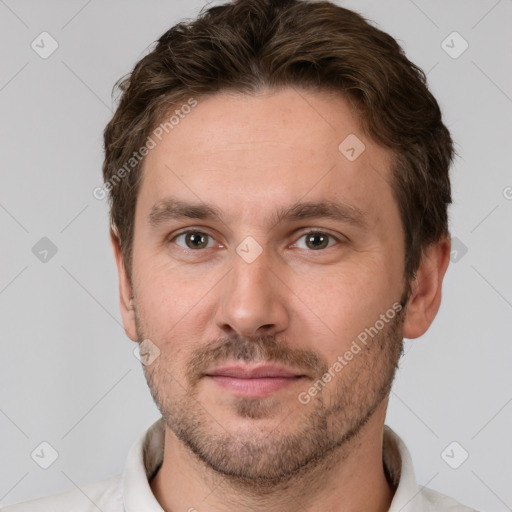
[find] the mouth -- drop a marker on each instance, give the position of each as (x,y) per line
(253,381)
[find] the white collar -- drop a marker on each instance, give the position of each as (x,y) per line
(146,456)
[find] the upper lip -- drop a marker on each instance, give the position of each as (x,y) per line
(252,372)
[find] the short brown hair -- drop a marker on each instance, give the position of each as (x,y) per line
(249,45)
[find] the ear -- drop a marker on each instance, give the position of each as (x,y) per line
(425,297)
(125,290)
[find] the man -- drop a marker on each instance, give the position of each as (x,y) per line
(278,176)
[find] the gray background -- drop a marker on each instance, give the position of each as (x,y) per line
(68,375)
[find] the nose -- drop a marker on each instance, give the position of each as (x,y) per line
(253,299)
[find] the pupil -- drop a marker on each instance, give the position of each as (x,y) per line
(322,240)
(196,240)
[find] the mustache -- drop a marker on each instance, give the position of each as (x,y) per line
(253,350)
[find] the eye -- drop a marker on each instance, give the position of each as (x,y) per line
(194,240)
(316,240)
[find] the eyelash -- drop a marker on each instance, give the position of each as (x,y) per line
(311,232)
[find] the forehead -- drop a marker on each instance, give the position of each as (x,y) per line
(250,154)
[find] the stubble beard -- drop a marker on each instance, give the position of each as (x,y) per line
(307,436)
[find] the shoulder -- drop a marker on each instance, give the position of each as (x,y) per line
(440,502)
(105,495)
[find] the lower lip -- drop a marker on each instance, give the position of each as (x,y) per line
(257,387)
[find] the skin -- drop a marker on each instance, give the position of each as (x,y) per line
(294,304)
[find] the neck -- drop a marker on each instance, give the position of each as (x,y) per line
(350,479)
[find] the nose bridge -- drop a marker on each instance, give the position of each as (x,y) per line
(251,299)
(251,275)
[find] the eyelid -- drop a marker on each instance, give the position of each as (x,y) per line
(323,231)
(190,229)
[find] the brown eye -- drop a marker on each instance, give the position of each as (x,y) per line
(315,241)
(193,240)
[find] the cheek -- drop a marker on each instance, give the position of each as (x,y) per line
(174,305)
(340,304)
(165,292)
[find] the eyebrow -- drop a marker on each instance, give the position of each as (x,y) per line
(176,209)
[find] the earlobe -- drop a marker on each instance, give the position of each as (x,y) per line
(126,298)
(425,297)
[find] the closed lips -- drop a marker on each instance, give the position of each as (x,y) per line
(262,372)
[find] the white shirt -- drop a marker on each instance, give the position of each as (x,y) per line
(130,492)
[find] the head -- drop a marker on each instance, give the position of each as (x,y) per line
(278,178)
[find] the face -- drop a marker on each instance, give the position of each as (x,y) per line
(263,256)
